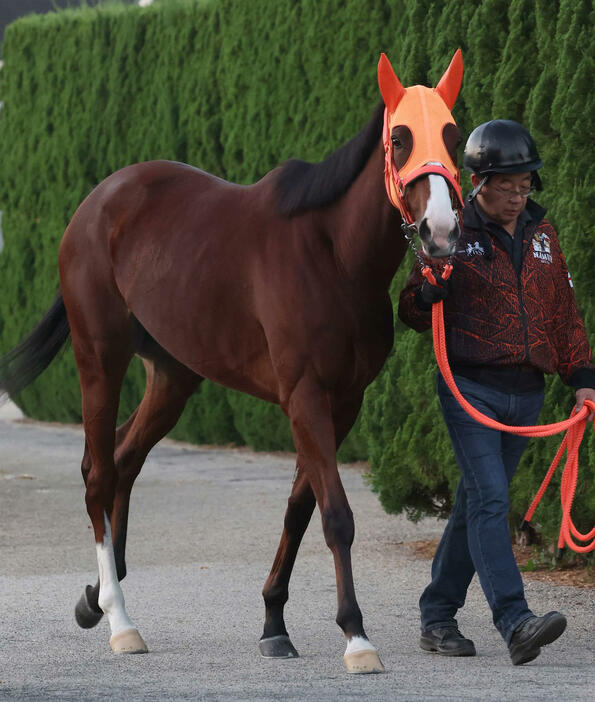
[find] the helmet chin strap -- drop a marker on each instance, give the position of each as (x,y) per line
(478,187)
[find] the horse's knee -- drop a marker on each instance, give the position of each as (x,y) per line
(338,526)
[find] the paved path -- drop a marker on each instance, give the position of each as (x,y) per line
(204,529)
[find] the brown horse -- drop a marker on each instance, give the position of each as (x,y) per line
(278,289)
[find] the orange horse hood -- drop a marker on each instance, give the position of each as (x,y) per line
(426,113)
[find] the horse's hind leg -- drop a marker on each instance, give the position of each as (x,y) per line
(169,385)
(87,612)
(102,359)
(275,641)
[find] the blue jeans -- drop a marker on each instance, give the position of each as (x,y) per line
(477,538)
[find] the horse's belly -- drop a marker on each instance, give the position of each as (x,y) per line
(215,343)
(256,378)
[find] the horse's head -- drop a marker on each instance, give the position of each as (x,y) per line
(420,141)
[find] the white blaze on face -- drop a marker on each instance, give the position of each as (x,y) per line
(439,215)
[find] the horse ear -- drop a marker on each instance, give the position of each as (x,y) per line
(390,86)
(450,83)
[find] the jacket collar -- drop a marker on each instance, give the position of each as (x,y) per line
(475,218)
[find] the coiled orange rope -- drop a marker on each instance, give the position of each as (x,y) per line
(574,426)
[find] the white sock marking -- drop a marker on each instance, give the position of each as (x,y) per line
(358,643)
(111,598)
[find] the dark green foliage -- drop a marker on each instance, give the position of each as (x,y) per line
(486,35)
(516,70)
(236,87)
(540,97)
(209,418)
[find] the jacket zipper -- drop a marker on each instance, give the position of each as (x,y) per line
(523,318)
(521,303)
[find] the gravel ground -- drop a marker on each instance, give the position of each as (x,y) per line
(204,528)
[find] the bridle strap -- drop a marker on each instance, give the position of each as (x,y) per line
(395,185)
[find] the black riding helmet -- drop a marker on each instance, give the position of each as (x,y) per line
(502,146)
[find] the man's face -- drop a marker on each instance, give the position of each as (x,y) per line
(504,196)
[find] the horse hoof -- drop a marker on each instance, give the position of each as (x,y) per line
(277,647)
(86,616)
(360,662)
(128,641)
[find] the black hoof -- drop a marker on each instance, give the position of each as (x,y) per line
(277,647)
(85,614)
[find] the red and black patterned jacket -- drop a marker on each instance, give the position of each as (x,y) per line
(511,312)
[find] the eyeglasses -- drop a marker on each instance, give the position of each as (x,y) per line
(510,194)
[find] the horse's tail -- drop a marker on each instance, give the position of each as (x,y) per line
(22,364)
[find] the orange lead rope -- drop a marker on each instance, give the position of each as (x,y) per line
(574,426)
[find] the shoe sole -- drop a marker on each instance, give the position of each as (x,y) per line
(425,646)
(548,633)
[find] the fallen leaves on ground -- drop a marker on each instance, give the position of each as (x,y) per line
(574,575)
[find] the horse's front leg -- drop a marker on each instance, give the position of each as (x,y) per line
(275,641)
(310,412)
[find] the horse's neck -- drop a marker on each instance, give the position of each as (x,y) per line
(366,230)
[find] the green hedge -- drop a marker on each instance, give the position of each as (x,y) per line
(237,86)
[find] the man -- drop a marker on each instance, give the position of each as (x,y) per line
(511,316)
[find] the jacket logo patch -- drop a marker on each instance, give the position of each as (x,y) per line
(475,249)
(541,247)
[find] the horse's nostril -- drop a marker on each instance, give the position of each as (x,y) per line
(455,233)
(424,230)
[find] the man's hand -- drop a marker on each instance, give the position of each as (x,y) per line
(428,294)
(582,395)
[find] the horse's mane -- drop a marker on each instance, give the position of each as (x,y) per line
(305,186)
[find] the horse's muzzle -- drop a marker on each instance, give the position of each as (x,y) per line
(438,244)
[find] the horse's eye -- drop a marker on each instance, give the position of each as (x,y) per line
(396,143)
